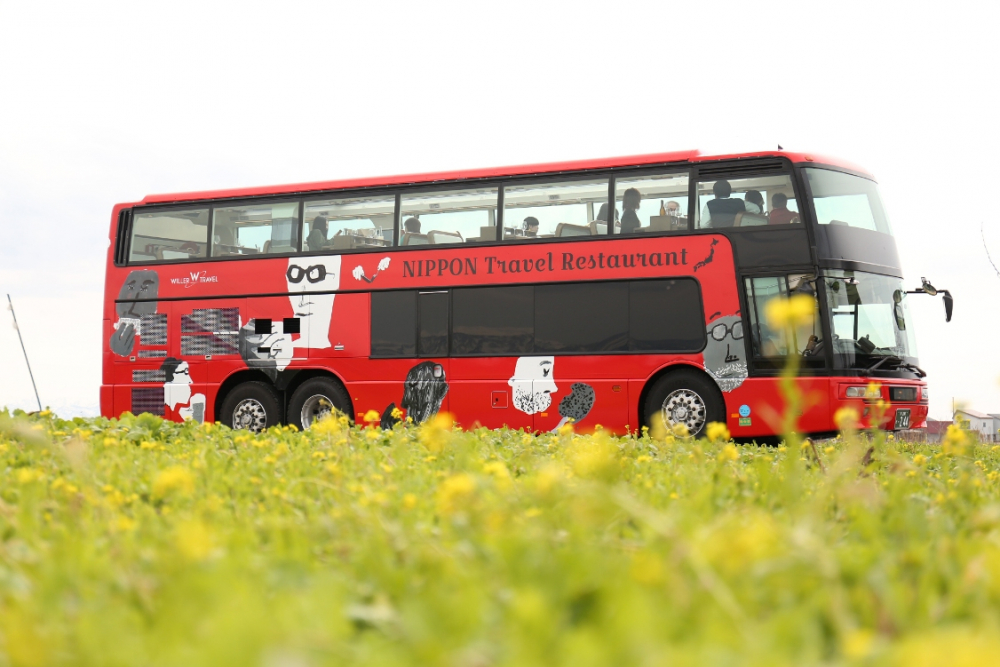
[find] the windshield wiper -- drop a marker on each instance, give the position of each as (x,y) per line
(898,362)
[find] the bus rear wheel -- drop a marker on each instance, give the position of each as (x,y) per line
(251,406)
(684,397)
(316,398)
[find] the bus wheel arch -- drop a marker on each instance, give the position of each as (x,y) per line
(687,389)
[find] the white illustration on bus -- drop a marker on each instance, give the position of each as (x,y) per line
(177,390)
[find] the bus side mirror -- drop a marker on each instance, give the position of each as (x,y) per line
(927,288)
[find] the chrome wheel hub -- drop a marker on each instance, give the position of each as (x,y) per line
(250,415)
(684,406)
(316,407)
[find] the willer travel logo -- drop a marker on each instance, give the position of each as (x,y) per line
(196,278)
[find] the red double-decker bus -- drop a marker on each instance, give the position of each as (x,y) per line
(611,292)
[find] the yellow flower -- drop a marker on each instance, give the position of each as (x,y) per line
(410,501)
(954,441)
(397,413)
(174,479)
(846,419)
(920,459)
(435,432)
(717,431)
(454,493)
(372,416)
(499,472)
(799,310)
(28,475)
(729,453)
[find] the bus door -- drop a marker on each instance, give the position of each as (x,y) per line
(583,390)
(204,350)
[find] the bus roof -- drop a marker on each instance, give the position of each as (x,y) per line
(692,156)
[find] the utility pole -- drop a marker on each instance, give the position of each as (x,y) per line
(10,307)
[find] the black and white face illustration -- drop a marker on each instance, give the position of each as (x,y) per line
(143,284)
(270,352)
(424,390)
(304,277)
(533,384)
(177,390)
(725,357)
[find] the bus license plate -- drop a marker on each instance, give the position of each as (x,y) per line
(902,419)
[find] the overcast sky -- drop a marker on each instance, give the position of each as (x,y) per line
(106,102)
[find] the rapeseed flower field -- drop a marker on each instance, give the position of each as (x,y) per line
(143,542)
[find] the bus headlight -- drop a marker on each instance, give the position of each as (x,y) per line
(871,391)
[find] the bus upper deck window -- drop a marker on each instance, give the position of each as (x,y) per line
(455,216)
(255,229)
(654,203)
(550,210)
(169,234)
(348,223)
(746,201)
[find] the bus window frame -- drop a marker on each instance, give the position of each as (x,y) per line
(261,201)
(695,171)
(179,206)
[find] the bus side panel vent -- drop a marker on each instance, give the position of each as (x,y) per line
(152,354)
(121,240)
(148,399)
(209,320)
(153,329)
(157,375)
(731,169)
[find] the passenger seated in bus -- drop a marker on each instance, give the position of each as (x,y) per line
(317,234)
(411,225)
(721,211)
(780,215)
(530,226)
(754,201)
(602,214)
(673,208)
(225,239)
(630,220)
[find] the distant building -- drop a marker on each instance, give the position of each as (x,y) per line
(985,425)
(935,430)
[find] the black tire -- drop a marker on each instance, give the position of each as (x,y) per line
(316,397)
(685,389)
(253,406)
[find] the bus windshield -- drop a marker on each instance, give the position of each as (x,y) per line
(846,200)
(869,319)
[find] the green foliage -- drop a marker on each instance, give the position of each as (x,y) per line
(143,542)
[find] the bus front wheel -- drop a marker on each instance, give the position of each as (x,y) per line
(251,406)
(683,397)
(316,398)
